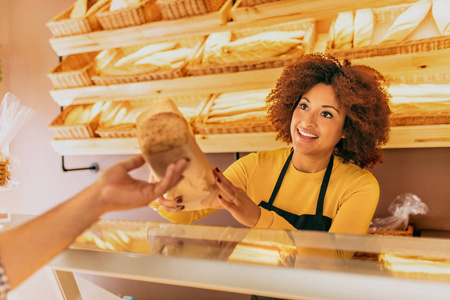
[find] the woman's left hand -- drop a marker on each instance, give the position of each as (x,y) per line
(236,201)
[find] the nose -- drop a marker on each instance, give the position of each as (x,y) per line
(309,120)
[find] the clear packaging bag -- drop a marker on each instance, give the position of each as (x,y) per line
(403,206)
(13,116)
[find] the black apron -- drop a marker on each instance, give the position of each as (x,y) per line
(306,222)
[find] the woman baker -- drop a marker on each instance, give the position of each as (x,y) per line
(336,116)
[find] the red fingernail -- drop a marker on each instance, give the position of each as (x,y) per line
(218,179)
(181,207)
(217,169)
(179,200)
(220,196)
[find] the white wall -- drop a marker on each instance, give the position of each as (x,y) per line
(27,57)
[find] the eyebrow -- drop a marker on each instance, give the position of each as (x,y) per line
(327,106)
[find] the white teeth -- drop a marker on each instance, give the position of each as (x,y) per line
(306,134)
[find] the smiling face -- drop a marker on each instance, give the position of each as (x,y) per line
(317,122)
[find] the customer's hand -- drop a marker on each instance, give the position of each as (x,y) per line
(119,191)
(236,201)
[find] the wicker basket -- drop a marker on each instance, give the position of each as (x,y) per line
(193,42)
(409,232)
(146,12)
(176,9)
(383,16)
(62,25)
(74,71)
(70,132)
(309,41)
(4,172)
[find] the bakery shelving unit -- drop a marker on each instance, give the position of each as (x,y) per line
(428,66)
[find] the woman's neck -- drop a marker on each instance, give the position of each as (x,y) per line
(310,164)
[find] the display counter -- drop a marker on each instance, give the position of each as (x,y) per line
(283,264)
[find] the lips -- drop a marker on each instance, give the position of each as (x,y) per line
(306,134)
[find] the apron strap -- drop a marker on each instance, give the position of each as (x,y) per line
(323,187)
(280,178)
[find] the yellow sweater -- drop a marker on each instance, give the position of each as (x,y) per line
(350,200)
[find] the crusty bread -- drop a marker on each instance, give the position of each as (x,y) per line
(143,52)
(363,28)
(121,4)
(343,30)
(407,22)
(441,15)
(79,9)
(164,137)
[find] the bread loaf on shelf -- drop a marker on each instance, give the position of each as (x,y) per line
(441,15)
(121,4)
(343,30)
(164,137)
(363,27)
(79,9)
(406,22)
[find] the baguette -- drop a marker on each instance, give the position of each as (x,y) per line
(441,15)
(79,9)
(164,137)
(343,30)
(363,28)
(121,4)
(407,22)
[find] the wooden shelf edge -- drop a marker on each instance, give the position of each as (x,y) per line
(216,83)
(429,136)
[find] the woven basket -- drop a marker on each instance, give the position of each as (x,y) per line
(74,71)
(388,15)
(309,41)
(176,9)
(146,12)
(62,25)
(409,232)
(188,42)
(254,2)
(69,132)
(4,172)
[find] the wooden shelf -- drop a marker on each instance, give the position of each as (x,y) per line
(217,83)
(149,32)
(431,136)
(261,15)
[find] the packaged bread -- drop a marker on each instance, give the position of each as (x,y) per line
(343,30)
(164,137)
(363,28)
(441,15)
(406,22)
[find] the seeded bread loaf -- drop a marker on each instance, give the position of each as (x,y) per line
(164,137)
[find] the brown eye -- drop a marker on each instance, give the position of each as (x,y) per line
(326,114)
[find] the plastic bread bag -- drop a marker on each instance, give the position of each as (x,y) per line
(403,206)
(13,116)
(164,137)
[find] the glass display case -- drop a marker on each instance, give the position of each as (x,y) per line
(275,263)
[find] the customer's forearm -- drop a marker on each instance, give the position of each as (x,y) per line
(26,248)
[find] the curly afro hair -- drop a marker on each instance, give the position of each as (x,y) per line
(360,90)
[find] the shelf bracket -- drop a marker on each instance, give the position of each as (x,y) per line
(93,167)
